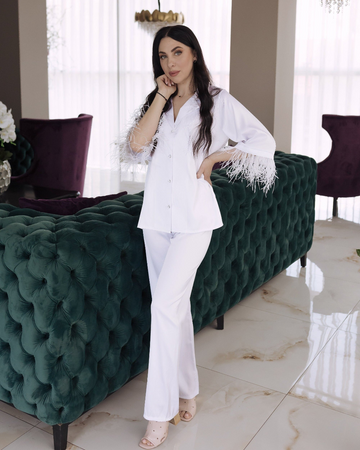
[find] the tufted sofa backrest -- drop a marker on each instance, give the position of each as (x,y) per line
(22,155)
(262,236)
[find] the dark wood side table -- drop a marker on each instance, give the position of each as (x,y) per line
(16,191)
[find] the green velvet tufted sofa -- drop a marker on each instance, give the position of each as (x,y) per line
(22,155)
(75,297)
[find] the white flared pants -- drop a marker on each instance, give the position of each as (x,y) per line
(172,260)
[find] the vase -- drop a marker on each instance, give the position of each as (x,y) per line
(5,176)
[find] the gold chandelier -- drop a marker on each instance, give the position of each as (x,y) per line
(152,22)
(334,5)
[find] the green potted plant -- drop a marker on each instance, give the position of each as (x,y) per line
(7,135)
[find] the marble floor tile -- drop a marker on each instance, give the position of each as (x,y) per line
(229,413)
(116,423)
(261,347)
(300,425)
(336,228)
(352,322)
(333,380)
(11,429)
(36,439)
(334,249)
(18,414)
(306,294)
(348,208)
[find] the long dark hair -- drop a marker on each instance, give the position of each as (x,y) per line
(201,81)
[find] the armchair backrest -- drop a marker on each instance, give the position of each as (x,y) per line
(339,173)
(60,151)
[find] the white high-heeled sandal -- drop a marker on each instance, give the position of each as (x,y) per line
(187,406)
(156,432)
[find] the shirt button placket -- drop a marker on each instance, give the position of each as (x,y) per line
(170,178)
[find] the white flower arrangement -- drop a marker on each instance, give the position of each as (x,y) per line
(7,131)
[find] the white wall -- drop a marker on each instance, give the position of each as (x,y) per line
(284,85)
(33,59)
(262,62)
(253,56)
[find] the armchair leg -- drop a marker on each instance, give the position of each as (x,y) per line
(220,322)
(303,260)
(335,207)
(60,433)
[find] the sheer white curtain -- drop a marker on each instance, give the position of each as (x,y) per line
(83,69)
(100,60)
(327,72)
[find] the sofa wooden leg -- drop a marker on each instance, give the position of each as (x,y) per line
(335,207)
(220,322)
(60,433)
(303,260)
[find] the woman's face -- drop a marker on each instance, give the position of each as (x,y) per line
(176,60)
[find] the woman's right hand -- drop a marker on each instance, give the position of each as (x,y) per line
(166,87)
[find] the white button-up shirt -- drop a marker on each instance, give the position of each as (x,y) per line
(175,200)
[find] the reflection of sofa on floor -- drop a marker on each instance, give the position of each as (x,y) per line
(74,291)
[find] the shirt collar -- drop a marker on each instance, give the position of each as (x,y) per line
(190,105)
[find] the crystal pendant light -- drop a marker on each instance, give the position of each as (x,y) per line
(334,5)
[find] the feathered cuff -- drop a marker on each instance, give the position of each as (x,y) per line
(252,168)
(127,156)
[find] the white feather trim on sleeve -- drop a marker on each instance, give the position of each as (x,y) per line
(127,155)
(252,168)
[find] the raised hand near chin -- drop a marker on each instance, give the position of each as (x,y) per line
(166,87)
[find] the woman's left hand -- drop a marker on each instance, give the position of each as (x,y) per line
(206,169)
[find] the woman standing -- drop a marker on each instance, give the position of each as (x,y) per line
(182,130)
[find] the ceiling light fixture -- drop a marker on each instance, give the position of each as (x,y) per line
(334,5)
(152,22)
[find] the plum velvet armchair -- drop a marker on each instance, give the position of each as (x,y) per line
(339,174)
(60,149)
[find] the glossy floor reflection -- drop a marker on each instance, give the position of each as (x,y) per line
(283,374)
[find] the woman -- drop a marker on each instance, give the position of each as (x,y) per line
(182,130)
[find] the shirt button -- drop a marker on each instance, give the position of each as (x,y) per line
(168,206)
(169,156)
(169,181)
(173,131)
